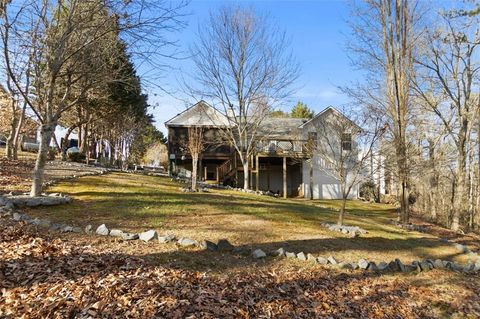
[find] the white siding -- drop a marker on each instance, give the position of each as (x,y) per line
(325,185)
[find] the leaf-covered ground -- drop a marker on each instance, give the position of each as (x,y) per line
(43,276)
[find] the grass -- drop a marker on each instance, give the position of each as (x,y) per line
(138,202)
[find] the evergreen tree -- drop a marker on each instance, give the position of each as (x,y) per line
(301,110)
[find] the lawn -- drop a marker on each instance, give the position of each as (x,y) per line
(135,202)
(78,275)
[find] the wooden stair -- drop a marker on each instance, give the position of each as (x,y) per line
(227,170)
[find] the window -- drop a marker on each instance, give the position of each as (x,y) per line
(312,138)
(346,141)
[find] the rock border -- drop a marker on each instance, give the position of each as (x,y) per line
(353,231)
(223,245)
(392,266)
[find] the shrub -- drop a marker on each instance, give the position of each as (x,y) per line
(367,191)
(76,157)
(52,152)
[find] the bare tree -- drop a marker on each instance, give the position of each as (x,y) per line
(385,33)
(16,58)
(73,46)
(243,67)
(195,146)
(344,150)
(447,86)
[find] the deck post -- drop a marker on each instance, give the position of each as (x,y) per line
(257,178)
(284,177)
(205,173)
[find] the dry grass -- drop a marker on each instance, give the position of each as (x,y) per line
(137,202)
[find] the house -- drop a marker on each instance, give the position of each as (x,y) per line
(283,162)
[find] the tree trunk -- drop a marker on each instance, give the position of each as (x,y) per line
(311,178)
(18,129)
(459,202)
(46,133)
(246,176)
(194,171)
(341,215)
(11,134)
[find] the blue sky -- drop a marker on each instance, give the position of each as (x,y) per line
(317,30)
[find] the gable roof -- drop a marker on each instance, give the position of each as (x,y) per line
(199,114)
(325,111)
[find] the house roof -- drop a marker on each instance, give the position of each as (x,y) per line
(278,127)
(324,112)
(199,114)
(203,114)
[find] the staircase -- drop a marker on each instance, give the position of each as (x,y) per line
(227,170)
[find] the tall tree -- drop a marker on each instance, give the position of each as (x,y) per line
(447,87)
(385,35)
(301,110)
(73,45)
(243,66)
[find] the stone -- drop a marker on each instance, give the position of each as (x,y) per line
(301,256)
(438,264)
(88,229)
(17,217)
(258,253)
(67,229)
(393,266)
(332,260)
(322,260)
(425,265)
(469,267)
(416,266)
(290,255)
(166,239)
(116,233)
(372,266)
(344,265)
(279,252)
(185,242)
(148,235)
(56,227)
(311,258)
(447,264)
(129,236)
(456,266)
(208,245)
(102,230)
(409,268)
(363,264)
(354,234)
(382,266)
(461,248)
(477,266)
(77,230)
(10,205)
(354,266)
(224,245)
(444,240)
(400,265)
